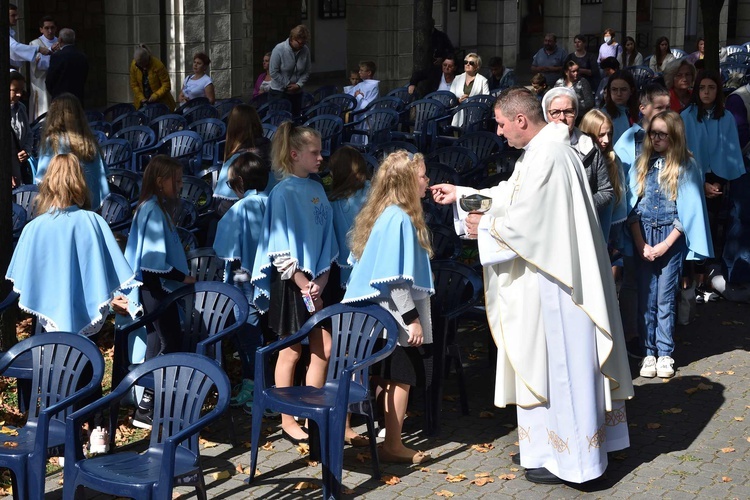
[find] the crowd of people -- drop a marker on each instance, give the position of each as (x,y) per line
(611,213)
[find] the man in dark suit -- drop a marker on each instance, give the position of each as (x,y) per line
(68,67)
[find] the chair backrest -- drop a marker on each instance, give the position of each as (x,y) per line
(192,103)
(326,108)
(182,382)
(458,158)
(200,112)
(446,97)
(387,102)
(139,136)
(167,124)
(445,242)
(739,58)
(115,209)
(100,136)
(372,163)
(65,368)
(94,116)
(129,120)
(101,126)
(128,181)
(494,179)
(355,331)
(277,117)
(205,265)
(210,129)
(154,110)
(482,143)
(330,128)
(116,110)
(474,116)
(185,215)
(18,217)
(487,99)
(458,288)
(733,49)
(274,105)
(641,74)
(378,123)
(25,196)
(116,153)
(187,239)
(424,111)
(345,101)
(733,73)
(506,161)
(210,175)
(678,53)
(403,94)
(385,148)
(224,106)
(268,130)
(196,191)
(181,144)
(322,92)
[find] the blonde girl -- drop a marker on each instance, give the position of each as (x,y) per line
(294,257)
(391,247)
(668,223)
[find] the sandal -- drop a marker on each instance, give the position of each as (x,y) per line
(419,457)
(244,395)
(357,441)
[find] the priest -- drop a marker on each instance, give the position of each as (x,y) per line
(550,300)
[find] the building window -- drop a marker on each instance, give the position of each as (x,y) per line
(470,5)
(332,9)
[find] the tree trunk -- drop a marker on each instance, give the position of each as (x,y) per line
(422,32)
(8,319)
(711,11)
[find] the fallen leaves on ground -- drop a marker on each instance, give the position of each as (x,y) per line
(691,390)
(443,471)
(247,444)
(8,431)
(506,477)
(362,457)
(482,448)
(450,397)
(222,474)
(739,419)
(424,469)
(268,446)
(514,469)
(389,479)
(312,463)
(482,478)
(726,479)
(619,456)
(303,449)
(306,485)
(347,491)
(705,387)
(455,479)
(10,444)
(473,357)
(445,493)
(728,449)
(672,410)
(206,443)
(486,414)
(653,425)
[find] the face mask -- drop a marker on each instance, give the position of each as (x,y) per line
(607,39)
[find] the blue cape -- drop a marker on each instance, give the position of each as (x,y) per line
(619,124)
(154,245)
(344,212)
(297,224)
(95,172)
(224,192)
(67,267)
(691,210)
(714,143)
(239,230)
(625,147)
(392,254)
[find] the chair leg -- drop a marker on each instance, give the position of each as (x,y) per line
(258,407)
(200,487)
(455,353)
(373,443)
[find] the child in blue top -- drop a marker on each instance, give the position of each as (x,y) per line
(620,103)
(668,223)
(157,256)
(294,256)
(237,236)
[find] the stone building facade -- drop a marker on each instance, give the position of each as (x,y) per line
(236,33)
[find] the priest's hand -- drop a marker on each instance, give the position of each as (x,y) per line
(444,194)
(472,223)
(415,333)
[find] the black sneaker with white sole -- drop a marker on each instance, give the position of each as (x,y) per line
(143,419)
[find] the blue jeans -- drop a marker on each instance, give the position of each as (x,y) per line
(658,284)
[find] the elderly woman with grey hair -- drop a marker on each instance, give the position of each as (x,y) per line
(149,80)
(679,76)
(560,105)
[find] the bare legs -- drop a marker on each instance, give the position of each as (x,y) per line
(396,401)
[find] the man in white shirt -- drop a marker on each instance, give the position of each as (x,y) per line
(39,99)
(20,52)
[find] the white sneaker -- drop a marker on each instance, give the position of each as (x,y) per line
(648,367)
(664,367)
(99,441)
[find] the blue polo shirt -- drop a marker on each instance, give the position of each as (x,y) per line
(541,58)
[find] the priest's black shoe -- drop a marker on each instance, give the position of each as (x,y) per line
(542,476)
(516,459)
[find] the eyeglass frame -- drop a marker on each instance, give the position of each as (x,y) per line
(655,134)
(470,63)
(569,112)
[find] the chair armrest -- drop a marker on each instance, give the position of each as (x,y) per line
(346,374)
(9,300)
(202,346)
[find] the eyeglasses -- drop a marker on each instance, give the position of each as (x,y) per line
(470,63)
(658,135)
(554,113)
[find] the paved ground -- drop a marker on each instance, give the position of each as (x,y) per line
(690,436)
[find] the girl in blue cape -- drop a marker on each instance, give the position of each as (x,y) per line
(668,223)
(67,266)
(236,241)
(156,255)
(66,130)
(349,189)
(711,134)
(621,102)
(390,247)
(294,257)
(244,133)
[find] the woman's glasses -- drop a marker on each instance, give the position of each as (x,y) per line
(658,135)
(470,63)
